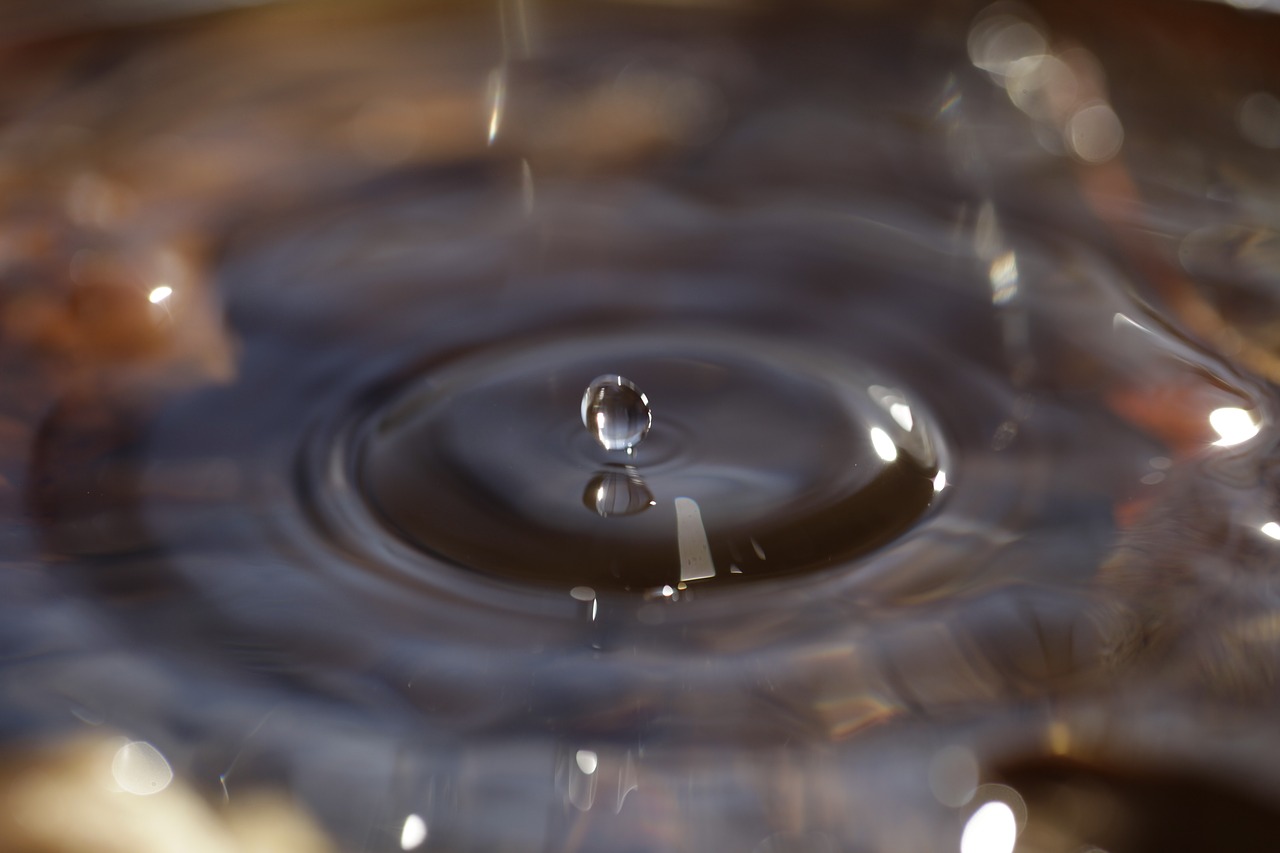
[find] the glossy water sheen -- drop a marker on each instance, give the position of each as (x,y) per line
(617,492)
(480,461)
(956,508)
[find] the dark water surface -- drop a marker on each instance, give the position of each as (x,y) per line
(956,519)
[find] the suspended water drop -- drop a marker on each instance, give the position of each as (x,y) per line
(616,412)
(617,493)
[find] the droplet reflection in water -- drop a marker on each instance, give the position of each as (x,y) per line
(620,492)
(616,412)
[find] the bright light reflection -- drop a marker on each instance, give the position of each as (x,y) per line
(497,99)
(160,294)
(414,833)
(139,768)
(1235,426)
(1003,276)
(883,445)
(1271,529)
(1046,91)
(1094,133)
(992,829)
(587,761)
(691,540)
(1121,320)
(1006,45)
(939,481)
(901,413)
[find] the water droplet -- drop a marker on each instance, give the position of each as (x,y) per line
(617,493)
(616,412)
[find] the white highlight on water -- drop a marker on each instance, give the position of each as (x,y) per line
(883,445)
(1234,426)
(691,536)
(414,832)
(586,760)
(992,829)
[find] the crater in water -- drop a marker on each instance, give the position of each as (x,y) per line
(796,459)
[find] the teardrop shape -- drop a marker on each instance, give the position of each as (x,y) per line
(616,412)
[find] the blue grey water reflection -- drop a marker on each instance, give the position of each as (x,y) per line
(953,525)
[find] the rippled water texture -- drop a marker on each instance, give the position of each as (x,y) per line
(615,427)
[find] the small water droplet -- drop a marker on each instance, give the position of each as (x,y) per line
(617,493)
(616,412)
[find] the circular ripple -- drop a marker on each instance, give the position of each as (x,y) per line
(783,458)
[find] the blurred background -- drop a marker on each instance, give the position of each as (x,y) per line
(954,529)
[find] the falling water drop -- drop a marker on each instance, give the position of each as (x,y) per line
(616,412)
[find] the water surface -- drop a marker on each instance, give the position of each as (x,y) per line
(955,519)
